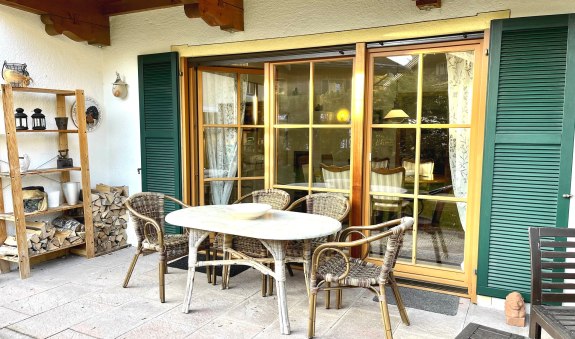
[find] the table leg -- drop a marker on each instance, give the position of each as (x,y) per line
(277,250)
(196,238)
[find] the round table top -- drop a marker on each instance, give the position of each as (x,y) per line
(274,225)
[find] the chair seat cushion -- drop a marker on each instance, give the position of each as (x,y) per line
(361,273)
(176,245)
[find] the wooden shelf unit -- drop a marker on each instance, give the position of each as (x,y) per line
(15,176)
(48,130)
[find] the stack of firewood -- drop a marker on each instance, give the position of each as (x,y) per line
(110,218)
(43,236)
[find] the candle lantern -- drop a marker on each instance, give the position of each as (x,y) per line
(21,119)
(38,120)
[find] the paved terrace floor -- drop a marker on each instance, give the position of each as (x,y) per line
(77,298)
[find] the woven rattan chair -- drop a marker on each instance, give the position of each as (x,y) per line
(332,205)
(331,265)
(147,213)
(251,247)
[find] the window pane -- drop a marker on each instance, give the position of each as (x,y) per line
(395,89)
(388,147)
(292,156)
(220,192)
(385,208)
(249,186)
(219,98)
(332,92)
(220,152)
(292,93)
(440,234)
(447,88)
(252,99)
(444,163)
(331,154)
(252,152)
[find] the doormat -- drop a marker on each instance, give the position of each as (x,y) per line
(424,300)
(473,330)
(182,264)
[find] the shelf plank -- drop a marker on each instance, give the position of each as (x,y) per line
(10,216)
(45,254)
(44,171)
(47,130)
(43,90)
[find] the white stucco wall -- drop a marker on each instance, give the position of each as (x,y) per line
(57,62)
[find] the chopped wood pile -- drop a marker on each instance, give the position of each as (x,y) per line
(110,218)
(43,236)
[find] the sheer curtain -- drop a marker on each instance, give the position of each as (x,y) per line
(220,107)
(460,92)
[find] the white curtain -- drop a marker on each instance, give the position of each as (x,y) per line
(220,107)
(460,92)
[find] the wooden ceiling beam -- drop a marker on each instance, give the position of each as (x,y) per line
(80,21)
(428,4)
(228,14)
(133,6)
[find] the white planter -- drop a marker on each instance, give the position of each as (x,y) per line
(71,192)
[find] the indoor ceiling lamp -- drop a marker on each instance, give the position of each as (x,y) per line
(396,114)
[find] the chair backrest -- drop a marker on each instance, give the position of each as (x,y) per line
(380,163)
(278,199)
(147,204)
(387,180)
(551,263)
(426,167)
(332,205)
(394,243)
(335,176)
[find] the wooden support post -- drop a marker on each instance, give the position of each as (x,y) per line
(4,265)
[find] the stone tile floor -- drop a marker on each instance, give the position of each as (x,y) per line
(77,298)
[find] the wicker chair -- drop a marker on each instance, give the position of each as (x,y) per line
(332,205)
(251,247)
(147,212)
(331,265)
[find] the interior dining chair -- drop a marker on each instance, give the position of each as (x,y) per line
(147,214)
(337,177)
(426,167)
(334,205)
(390,180)
(243,246)
(380,163)
(332,264)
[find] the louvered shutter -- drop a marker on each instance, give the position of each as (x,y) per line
(160,127)
(528,146)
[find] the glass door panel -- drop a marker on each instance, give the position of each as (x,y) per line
(231,133)
(292,93)
(421,106)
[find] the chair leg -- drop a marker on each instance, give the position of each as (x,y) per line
(338,297)
(534,328)
(384,312)
(288,266)
(271,282)
(162,272)
(398,299)
(442,241)
(214,276)
(311,319)
(327,296)
(264,285)
(132,265)
(208,268)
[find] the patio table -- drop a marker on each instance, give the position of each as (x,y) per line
(273,229)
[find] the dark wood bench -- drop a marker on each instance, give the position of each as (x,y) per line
(552,253)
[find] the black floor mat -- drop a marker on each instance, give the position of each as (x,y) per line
(182,264)
(425,300)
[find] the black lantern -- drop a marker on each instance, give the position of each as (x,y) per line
(38,119)
(21,119)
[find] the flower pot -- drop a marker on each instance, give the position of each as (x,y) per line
(61,122)
(71,192)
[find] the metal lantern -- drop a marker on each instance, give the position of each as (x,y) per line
(38,120)
(21,119)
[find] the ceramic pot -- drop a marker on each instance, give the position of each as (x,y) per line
(62,122)
(71,192)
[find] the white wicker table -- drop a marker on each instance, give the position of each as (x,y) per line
(273,229)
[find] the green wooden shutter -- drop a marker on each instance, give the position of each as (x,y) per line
(528,146)
(160,127)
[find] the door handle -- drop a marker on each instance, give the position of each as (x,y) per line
(567,196)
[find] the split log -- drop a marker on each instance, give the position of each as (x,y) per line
(110,217)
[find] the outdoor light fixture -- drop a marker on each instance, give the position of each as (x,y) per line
(38,120)
(119,87)
(21,119)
